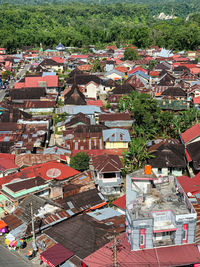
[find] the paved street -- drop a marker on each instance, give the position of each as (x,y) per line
(2,94)
(8,259)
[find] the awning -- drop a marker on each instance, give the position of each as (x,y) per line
(2,224)
(56,255)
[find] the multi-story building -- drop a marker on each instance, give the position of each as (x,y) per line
(158,212)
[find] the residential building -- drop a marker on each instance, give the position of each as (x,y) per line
(116,138)
(158,212)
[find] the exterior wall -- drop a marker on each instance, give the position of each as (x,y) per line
(109,67)
(91,91)
(165,172)
(133,233)
(24,192)
(111,145)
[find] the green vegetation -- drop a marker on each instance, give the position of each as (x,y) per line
(80,161)
(130,54)
(81,25)
(151,123)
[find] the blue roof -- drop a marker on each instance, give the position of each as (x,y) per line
(195,82)
(48,73)
(60,151)
(87,109)
(60,47)
(116,135)
(104,214)
(165,53)
(140,73)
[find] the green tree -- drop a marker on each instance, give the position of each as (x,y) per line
(130,54)
(136,156)
(80,161)
(96,66)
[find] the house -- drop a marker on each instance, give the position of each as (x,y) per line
(158,213)
(50,64)
(89,110)
(176,255)
(78,119)
(107,173)
(191,135)
(120,204)
(114,75)
(85,233)
(139,81)
(84,137)
(109,65)
(119,91)
(116,138)
(74,96)
(168,159)
(116,120)
(7,164)
(193,156)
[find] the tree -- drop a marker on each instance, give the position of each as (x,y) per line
(96,66)
(80,161)
(130,54)
(136,156)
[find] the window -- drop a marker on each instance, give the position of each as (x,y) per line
(142,238)
(159,170)
(185,232)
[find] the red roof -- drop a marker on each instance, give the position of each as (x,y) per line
(1,49)
(7,161)
(154,73)
(56,255)
(79,56)
(120,202)
(111,47)
(195,70)
(48,171)
(188,156)
(51,81)
(85,67)
(162,256)
(97,103)
(191,185)
(121,69)
(136,69)
(191,133)
(58,59)
(196,100)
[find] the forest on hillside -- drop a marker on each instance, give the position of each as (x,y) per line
(81,25)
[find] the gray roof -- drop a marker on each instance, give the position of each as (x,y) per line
(165,53)
(87,110)
(116,135)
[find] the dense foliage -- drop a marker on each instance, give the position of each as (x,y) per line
(82,25)
(151,123)
(80,161)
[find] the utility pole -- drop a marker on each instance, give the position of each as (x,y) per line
(33,228)
(115,250)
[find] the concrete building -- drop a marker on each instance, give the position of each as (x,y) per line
(158,212)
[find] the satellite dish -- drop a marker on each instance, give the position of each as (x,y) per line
(53,173)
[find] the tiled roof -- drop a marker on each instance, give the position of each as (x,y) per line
(174,91)
(85,67)
(121,69)
(191,133)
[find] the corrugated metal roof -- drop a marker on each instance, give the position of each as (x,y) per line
(104,214)
(116,135)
